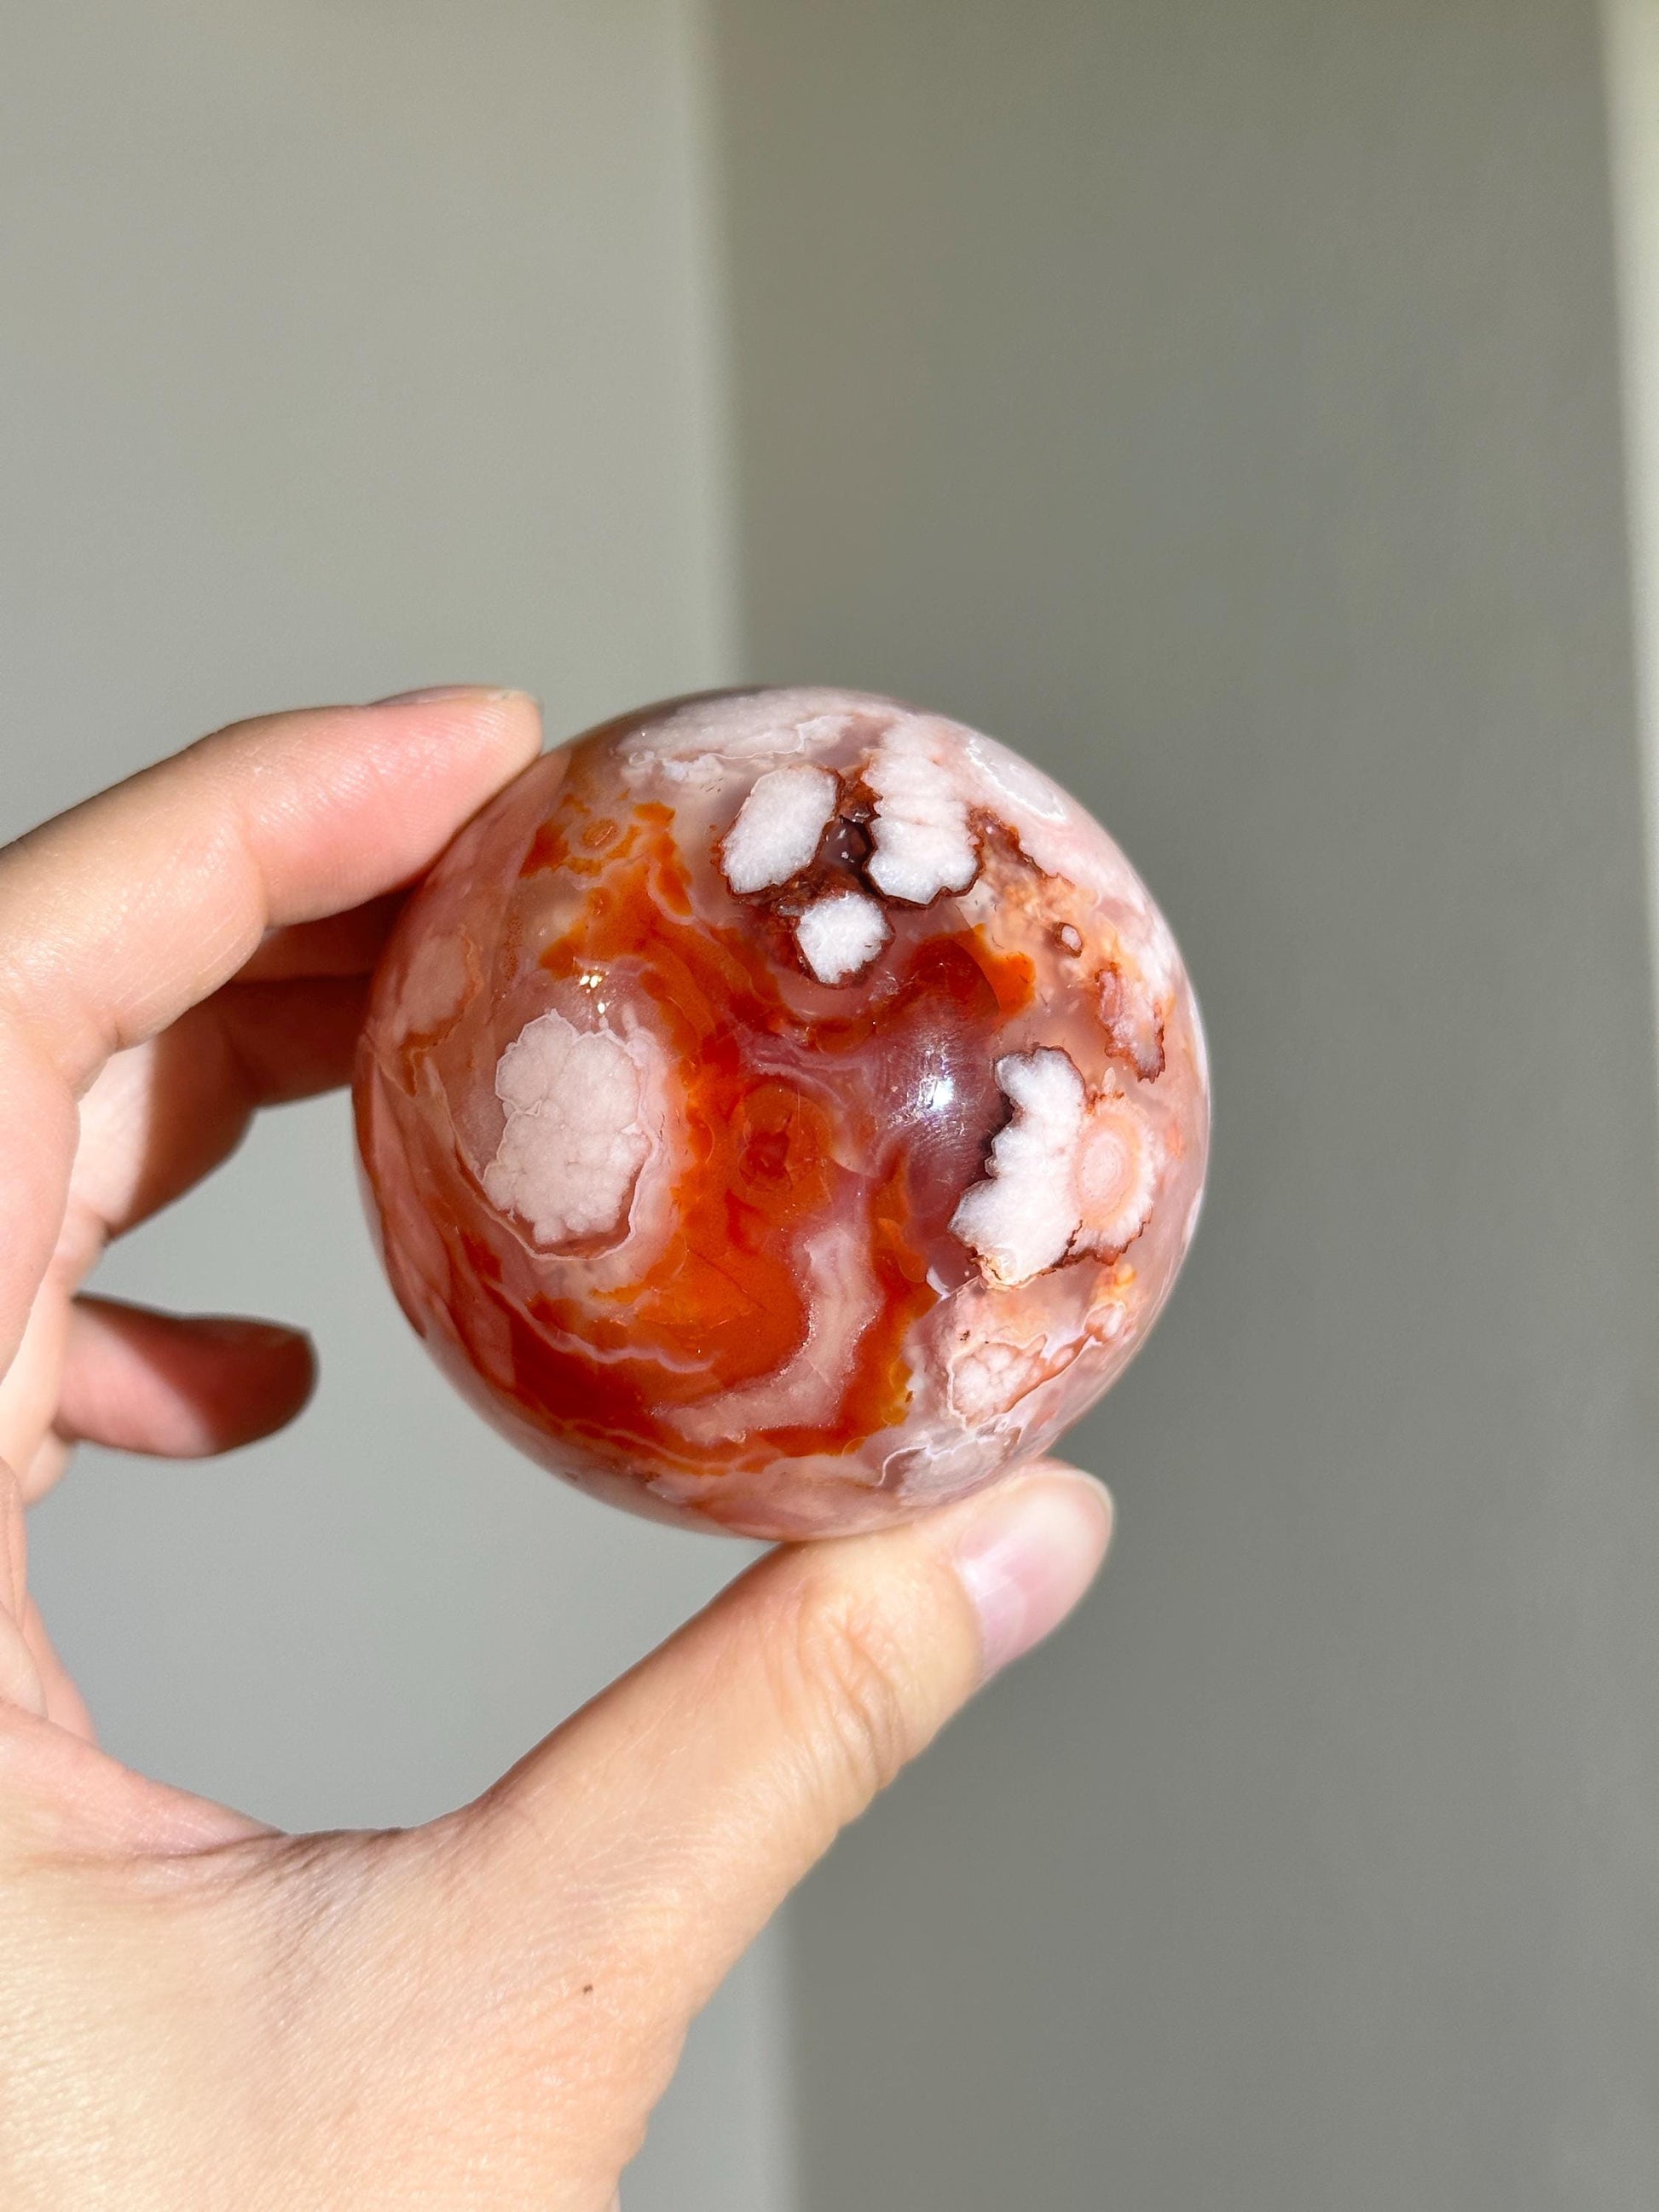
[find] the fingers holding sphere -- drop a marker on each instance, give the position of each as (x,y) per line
(117,916)
(120,915)
(672,1816)
(179,1386)
(164,1114)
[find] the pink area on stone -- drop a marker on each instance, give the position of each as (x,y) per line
(783,1110)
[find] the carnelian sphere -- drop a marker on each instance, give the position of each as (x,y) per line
(783,1110)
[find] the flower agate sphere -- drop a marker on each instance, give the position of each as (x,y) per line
(783,1110)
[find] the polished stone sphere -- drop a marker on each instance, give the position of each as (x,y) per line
(783,1110)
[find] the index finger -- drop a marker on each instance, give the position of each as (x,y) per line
(117,916)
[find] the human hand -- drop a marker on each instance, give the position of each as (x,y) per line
(195,2010)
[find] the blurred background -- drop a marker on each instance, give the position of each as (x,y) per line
(1246,407)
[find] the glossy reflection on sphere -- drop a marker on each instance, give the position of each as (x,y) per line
(783,1110)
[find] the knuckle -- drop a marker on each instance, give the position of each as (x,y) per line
(850,1690)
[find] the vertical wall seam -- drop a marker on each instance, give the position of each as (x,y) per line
(1629,48)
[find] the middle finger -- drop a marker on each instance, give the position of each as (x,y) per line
(162,1115)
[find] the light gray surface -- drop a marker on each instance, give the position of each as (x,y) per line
(1221,400)
(344,349)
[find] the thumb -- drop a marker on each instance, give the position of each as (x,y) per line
(671,1818)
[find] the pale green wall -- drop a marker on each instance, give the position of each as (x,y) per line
(1222,400)
(346,347)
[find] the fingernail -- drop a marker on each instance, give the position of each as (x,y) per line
(436,692)
(1027,1556)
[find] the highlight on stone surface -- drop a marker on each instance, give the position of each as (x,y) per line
(783,1110)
